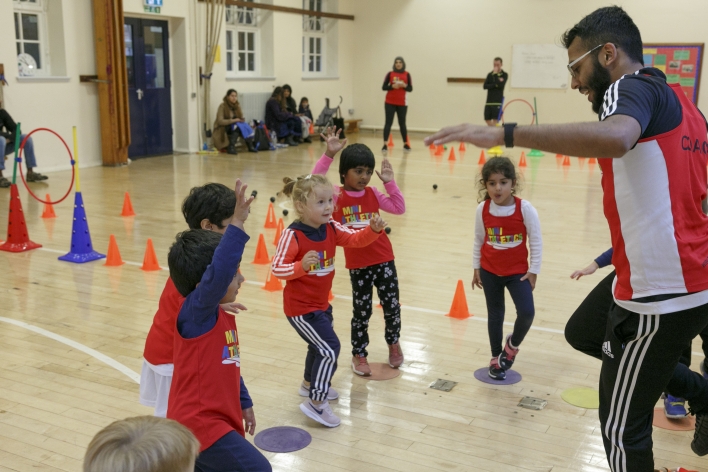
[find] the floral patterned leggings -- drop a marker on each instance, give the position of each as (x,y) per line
(382,276)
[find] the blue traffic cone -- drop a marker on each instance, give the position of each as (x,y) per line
(81,247)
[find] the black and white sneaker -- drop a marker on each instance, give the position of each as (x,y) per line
(406,147)
(384,148)
(495,370)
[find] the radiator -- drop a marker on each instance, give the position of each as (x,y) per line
(253,105)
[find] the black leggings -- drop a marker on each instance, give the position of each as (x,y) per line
(390,111)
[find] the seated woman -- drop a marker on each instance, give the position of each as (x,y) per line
(229,125)
(292,108)
(286,126)
(8,130)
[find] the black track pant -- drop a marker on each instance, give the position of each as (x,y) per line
(401,111)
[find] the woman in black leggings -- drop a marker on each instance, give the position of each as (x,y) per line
(396,84)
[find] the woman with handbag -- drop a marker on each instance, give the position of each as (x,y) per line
(230,124)
(396,84)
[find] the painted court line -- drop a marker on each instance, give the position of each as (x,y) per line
(406,307)
(134,376)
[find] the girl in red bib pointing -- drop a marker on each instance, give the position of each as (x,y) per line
(503,226)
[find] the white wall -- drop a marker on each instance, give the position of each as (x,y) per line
(459,38)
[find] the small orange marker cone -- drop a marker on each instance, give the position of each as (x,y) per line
(127,206)
(459,307)
(439,150)
(261,252)
(559,156)
(272,283)
(150,259)
(113,258)
(482,160)
(278,231)
(463,148)
(312,128)
(48,209)
(390,140)
(330,297)
(452,157)
(270,222)
(592,160)
(522,160)
(431,147)
(566,161)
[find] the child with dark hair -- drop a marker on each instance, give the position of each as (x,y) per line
(372,266)
(504,223)
(305,259)
(207,363)
(208,207)
(304,108)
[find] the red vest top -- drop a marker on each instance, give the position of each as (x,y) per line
(356,212)
(206,385)
(311,291)
(397,96)
(501,231)
(159,345)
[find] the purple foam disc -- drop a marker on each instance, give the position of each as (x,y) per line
(283,439)
(482,375)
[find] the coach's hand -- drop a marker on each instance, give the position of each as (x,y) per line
(480,136)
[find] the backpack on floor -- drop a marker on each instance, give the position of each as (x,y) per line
(261,139)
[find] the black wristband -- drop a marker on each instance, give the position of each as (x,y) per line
(509,134)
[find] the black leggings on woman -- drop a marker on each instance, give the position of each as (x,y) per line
(390,111)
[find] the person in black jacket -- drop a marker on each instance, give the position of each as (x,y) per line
(8,130)
(286,126)
(494,85)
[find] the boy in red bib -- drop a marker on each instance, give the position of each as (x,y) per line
(305,258)
(355,204)
(207,364)
(503,225)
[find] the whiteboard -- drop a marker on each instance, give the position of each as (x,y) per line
(539,66)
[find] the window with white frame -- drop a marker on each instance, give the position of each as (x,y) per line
(313,39)
(31,37)
(242,41)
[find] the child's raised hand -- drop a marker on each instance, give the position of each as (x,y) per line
(377,224)
(476,279)
(386,174)
(331,137)
(243,204)
(310,259)
(531,278)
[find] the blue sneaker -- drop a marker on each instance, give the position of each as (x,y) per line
(674,407)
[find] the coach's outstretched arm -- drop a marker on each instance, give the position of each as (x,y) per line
(612,137)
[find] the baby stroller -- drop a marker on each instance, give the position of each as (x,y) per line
(330,117)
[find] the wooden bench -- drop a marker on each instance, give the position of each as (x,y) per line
(352,126)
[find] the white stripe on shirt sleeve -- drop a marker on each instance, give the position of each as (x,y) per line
(478,238)
(533,231)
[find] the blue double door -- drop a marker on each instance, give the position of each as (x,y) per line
(149,97)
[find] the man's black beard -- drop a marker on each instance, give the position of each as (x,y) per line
(598,82)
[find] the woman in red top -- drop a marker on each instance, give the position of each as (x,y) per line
(396,84)
(305,258)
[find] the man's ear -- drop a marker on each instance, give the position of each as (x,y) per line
(610,55)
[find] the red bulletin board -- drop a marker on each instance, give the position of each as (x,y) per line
(680,62)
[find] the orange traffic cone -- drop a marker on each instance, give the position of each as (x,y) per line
(278,231)
(312,128)
(261,252)
(462,147)
(408,141)
(390,140)
(482,160)
(113,258)
(272,283)
(592,160)
(270,222)
(150,259)
(566,161)
(48,209)
(330,297)
(459,307)
(452,157)
(439,150)
(431,147)
(559,156)
(127,206)
(522,160)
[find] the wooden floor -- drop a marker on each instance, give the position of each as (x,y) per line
(54,396)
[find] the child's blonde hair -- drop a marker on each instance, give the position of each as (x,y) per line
(300,189)
(142,444)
